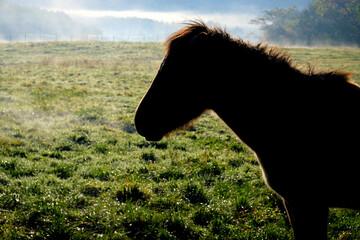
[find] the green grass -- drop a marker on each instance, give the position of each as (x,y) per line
(73,167)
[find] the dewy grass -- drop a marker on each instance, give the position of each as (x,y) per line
(73,167)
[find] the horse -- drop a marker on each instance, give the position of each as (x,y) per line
(299,123)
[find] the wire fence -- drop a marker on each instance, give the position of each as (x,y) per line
(34,37)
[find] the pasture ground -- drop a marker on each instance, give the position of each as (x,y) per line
(73,167)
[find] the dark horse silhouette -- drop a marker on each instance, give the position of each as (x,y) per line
(298,123)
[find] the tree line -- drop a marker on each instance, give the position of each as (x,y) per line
(323,22)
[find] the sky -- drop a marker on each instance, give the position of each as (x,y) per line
(167,5)
(228,13)
(228,20)
(234,15)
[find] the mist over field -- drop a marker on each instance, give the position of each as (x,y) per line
(126,20)
(286,23)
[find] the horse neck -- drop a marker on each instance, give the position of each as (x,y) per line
(246,82)
(252,100)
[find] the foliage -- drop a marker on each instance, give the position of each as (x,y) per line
(72,167)
(324,22)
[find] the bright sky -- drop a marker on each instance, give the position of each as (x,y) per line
(227,20)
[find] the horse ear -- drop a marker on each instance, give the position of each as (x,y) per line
(199,39)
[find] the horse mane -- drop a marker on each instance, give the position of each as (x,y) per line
(273,54)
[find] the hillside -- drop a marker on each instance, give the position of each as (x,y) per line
(16,21)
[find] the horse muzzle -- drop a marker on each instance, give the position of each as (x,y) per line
(147,129)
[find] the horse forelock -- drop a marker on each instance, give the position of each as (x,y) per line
(189,31)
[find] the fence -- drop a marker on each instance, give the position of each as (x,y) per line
(31,37)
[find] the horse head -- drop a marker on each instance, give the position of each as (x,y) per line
(178,94)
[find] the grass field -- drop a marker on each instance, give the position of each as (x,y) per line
(73,167)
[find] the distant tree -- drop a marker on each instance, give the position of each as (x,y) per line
(279,24)
(332,22)
(341,18)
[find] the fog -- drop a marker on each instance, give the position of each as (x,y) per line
(160,24)
(130,20)
(229,20)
